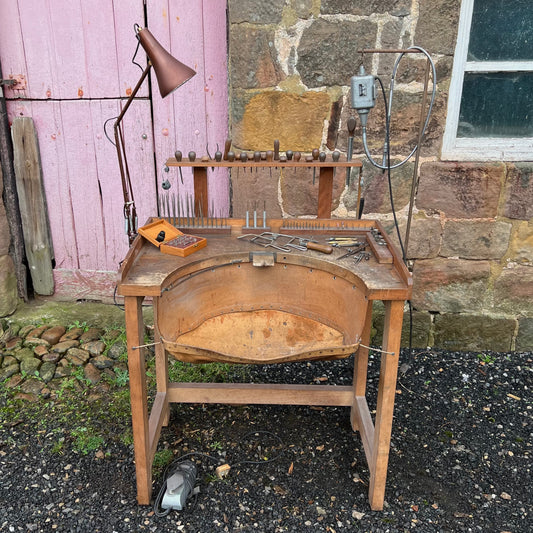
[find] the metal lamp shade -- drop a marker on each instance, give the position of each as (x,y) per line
(170,72)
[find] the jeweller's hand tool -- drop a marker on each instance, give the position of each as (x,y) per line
(276,150)
(353,251)
(351,131)
(289,154)
(179,156)
(315,153)
(227,148)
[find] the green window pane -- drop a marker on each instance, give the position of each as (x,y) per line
(496,105)
(502,30)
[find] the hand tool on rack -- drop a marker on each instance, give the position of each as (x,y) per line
(336,155)
(315,153)
(297,156)
(289,154)
(286,243)
(179,156)
(351,132)
(192,156)
(269,157)
(276,150)
(218,155)
(227,148)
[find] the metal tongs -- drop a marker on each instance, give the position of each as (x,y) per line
(286,243)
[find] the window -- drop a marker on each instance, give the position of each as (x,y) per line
(490,106)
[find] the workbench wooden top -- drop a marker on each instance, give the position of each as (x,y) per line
(146,271)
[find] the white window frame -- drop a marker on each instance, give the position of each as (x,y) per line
(480,148)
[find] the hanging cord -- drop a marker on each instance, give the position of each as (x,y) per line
(391,93)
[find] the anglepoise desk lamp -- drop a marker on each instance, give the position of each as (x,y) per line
(170,74)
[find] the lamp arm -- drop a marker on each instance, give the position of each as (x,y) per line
(130,214)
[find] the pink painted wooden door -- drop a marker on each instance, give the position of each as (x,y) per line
(75,60)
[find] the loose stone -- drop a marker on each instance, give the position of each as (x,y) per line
(116,350)
(23,353)
(53,334)
(95,347)
(92,334)
(63,346)
(37,332)
(32,386)
(25,330)
(92,373)
(9,371)
(71,334)
(51,357)
(35,341)
(40,351)
(30,365)
(102,362)
(77,356)
(47,371)
(9,360)
(13,343)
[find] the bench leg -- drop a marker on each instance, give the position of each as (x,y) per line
(385,403)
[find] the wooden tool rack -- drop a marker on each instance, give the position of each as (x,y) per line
(226,278)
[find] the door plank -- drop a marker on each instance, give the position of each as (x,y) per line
(32,202)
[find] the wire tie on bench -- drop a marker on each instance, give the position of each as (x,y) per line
(376,349)
(144,345)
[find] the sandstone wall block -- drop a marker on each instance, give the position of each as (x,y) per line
(513,291)
(397,8)
(259,188)
(421,329)
(300,195)
(450,285)
(473,332)
(521,244)
(376,187)
(524,339)
(436,28)
(255,11)
(460,190)
(328,50)
(475,239)
(254,62)
(519,192)
(296,120)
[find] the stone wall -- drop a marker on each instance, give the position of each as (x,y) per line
(471,245)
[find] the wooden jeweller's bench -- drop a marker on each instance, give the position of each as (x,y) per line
(301,305)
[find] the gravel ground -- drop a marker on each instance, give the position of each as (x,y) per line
(460,455)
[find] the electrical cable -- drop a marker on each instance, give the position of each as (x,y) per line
(391,93)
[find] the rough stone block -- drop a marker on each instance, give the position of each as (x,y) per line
(30,365)
(473,332)
(521,245)
(255,11)
(450,285)
(376,187)
(254,62)
(92,334)
(460,190)
(475,239)
(259,187)
(328,49)
(95,347)
(296,120)
(397,8)
(524,339)
(424,238)
(53,334)
(300,196)
(8,286)
(519,191)
(513,290)
(421,328)
(441,14)
(47,371)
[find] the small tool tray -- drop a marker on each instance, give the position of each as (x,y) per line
(175,242)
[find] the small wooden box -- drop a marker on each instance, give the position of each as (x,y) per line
(176,242)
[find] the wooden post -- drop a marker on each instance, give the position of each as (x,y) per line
(11,198)
(32,202)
